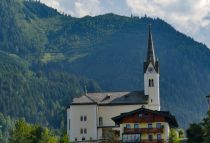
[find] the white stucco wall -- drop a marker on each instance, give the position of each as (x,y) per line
(74,114)
(107,112)
(167,130)
(68,122)
(153,92)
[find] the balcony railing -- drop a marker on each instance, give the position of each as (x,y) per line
(144,141)
(142,130)
(152,141)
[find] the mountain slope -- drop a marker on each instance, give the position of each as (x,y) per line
(109,49)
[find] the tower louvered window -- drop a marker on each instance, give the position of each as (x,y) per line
(151,82)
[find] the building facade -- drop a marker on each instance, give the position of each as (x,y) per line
(89,117)
(145,126)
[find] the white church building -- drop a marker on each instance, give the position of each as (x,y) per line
(89,117)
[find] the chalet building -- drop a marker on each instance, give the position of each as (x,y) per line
(89,117)
(145,126)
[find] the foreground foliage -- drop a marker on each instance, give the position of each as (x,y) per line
(28,133)
(200,132)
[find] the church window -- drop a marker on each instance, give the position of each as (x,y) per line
(81,131)
(85,131)
(85,118)
(151,82)
(81,118)
(128,126)
(100,121)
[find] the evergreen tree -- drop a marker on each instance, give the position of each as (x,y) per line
(206,128)
(200,132)
(195,133)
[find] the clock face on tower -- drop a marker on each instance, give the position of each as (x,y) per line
(150,69)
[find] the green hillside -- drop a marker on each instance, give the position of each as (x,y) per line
(47,56)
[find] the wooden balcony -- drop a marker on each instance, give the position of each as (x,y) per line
(142,130)
(152,141)
(144,141)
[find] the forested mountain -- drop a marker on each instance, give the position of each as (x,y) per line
(47,57)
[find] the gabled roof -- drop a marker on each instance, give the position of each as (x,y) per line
(112,98)
(84,100)
(170,118)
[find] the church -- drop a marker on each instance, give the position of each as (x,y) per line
(90,116)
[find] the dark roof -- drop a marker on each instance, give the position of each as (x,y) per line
(112,98)
(150,50)
(151,54)
(170,118)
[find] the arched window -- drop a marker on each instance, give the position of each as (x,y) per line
(100,121)
(151,82)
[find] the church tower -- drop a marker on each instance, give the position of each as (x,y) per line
(151,76)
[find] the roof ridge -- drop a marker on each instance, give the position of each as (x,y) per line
(90,98)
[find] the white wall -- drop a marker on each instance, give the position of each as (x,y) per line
(167,130)
(153,92)
(107,112)
(74,114)
(68,121)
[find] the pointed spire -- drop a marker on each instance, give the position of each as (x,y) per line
(150,50)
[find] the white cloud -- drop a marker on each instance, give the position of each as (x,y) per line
(189,16)
(77,8)
(84,7)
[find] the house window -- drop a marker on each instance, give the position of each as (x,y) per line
(158,125)
(136,126)
(81,118)
(128,126)
(150,137)
(100,121)
(81,131)
(150,125)
(140,115)
(85,131)
(151,82)
(85,118)
(158,136)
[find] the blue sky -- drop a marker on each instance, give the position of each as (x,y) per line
(191,17)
